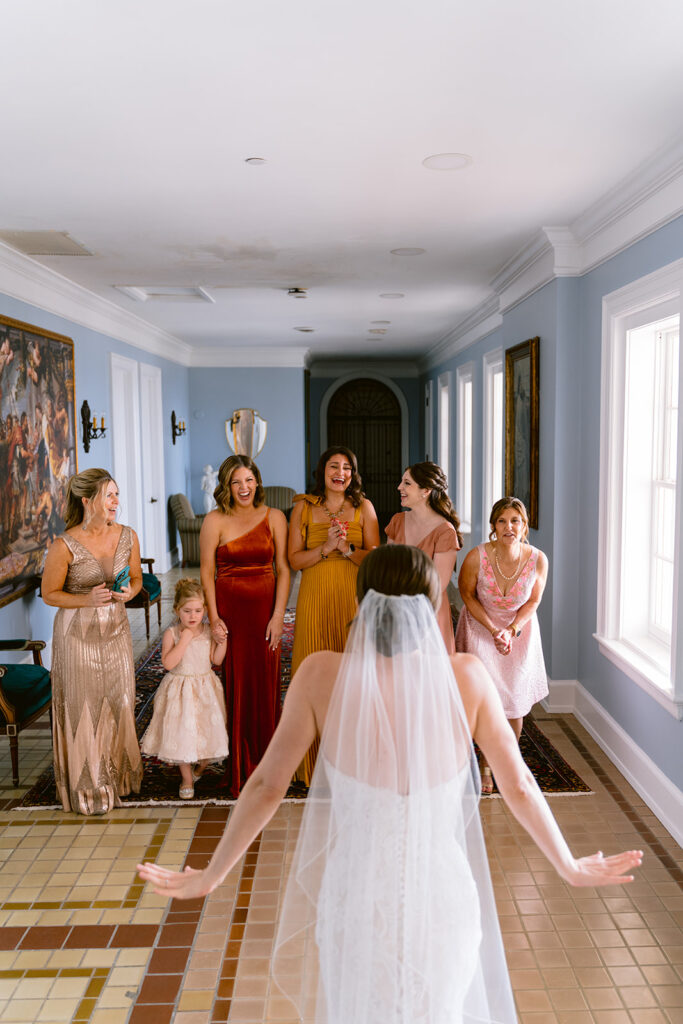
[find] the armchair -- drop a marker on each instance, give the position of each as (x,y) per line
(280,497)
(25,694)
(188,525)
(149,594)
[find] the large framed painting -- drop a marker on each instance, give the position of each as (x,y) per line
(37,449)
(521,425)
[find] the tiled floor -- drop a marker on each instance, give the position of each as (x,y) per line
(80,939)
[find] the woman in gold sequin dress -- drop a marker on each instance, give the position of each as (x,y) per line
(330,533)
(96,752)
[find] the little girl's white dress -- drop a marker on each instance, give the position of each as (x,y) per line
(189,719)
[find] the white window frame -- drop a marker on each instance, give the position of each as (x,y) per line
(444,423)
(465,443)
(651,298)
(429,419)
(494,439)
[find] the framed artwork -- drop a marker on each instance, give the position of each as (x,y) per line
(37,449)
(521,425)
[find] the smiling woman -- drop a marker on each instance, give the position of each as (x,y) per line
(502,584)
(96,753)
(330,533)
(245,575)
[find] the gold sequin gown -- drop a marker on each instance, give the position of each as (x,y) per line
(96,752)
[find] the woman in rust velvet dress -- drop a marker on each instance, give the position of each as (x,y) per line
(245,575)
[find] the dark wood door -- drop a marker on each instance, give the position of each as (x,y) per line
(365,416)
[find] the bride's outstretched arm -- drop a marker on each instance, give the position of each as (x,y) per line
(518,787)
(257,802)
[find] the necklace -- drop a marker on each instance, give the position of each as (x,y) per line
(519,562)
(328,512)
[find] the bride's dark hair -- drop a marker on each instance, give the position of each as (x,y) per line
(398,569)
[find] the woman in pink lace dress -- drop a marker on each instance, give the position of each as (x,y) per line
(502,583)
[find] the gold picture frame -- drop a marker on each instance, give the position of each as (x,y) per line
(37,449)
(521,425)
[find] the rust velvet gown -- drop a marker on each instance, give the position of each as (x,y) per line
(245,596)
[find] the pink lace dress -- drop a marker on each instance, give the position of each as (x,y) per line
(519,676)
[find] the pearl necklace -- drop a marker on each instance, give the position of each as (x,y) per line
(519,562)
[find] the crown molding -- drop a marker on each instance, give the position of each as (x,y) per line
(643,201)
(646,199)
(484,319)
(252,357)
(331,370)
(29,281)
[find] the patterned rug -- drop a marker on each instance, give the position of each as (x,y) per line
(160,781)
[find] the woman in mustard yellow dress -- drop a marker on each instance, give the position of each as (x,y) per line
(330,533)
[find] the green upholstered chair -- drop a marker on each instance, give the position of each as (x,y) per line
(149,594)
(188,525)
(25,695)
(280,497)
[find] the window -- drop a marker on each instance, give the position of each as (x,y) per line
(444,422)
(640,607)
(493,433)
(463,502)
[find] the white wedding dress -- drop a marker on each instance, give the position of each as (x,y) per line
(375,888)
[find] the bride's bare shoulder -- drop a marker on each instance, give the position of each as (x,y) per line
(473,680)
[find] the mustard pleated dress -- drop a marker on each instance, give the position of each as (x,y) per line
(327,600)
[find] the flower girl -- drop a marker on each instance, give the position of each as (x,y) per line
(188,726)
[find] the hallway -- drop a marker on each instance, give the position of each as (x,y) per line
(80,939)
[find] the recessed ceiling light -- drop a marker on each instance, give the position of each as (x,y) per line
(406,252)
(447,161)
(391,295)
(305,330)
(378,330)
(380,321)
(255,160)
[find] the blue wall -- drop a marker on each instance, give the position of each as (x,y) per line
(277,394)
(567,315)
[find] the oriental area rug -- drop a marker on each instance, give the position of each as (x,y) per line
(160,780)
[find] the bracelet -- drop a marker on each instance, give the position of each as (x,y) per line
(347,554)
(323,555)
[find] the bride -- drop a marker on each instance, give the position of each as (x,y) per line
(389,906)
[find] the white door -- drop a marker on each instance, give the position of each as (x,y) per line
(125,439)
(153,482)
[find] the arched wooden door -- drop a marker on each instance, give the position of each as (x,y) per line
(364,415)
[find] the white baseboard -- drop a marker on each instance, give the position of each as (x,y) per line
(661,795)
(562,696)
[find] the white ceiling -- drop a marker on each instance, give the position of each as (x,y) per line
(127,125)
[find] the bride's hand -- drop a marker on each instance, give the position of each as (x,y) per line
(598,870)
(178,885)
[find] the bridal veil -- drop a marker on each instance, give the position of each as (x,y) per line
(388,915)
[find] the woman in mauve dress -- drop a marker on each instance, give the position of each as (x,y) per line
(245,575)
(429,522)
(502,584)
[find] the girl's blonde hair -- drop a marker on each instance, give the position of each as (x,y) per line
(186,589)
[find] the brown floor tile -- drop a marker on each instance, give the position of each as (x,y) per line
(159,988)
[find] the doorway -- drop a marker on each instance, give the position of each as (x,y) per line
(364,414)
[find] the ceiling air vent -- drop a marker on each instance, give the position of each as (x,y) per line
(164,293)
(44,243)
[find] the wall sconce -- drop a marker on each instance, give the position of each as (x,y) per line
(178,427)
(91,432)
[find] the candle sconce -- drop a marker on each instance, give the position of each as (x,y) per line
(178,427)
(91,432)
